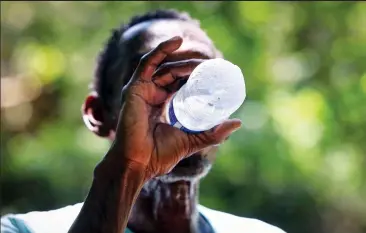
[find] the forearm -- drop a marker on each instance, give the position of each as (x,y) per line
(110,200)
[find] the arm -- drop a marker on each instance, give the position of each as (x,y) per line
(110,200)
(106,208)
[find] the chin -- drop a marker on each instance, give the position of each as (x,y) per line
(192,168)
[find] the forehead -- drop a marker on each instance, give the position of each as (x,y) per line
(149,34)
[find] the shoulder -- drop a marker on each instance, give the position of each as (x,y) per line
(55,221)
(224,222)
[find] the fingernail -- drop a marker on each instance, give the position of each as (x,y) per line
(236,129)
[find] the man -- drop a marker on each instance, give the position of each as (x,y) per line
(148,180)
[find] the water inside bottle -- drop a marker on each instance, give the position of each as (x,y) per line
(213,92)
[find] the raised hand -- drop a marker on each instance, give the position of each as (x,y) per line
(142,137)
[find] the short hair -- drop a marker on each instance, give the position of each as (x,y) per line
(109,57)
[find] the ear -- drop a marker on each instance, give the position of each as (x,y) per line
(96,118)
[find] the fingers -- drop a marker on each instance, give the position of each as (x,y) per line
(151,60)
(169,72)
(223,131)
(213,136)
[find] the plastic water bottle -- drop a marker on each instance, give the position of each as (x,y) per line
(214,91)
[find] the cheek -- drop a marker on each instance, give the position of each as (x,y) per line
(210,153)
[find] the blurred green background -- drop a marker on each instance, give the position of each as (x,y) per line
(299,160)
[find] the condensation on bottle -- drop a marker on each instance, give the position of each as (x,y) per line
(213,92)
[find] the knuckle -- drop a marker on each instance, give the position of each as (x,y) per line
(215,141)
(189,145)
(197,142)
(123,95)
(162,45)
(161,48)
(164,67)
(124,89)
(211,139)
(144,59)
(161,71)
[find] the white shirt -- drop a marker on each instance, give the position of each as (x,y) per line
(60,220)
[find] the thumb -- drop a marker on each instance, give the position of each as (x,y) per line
(213,136)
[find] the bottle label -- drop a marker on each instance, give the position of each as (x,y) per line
(174,121)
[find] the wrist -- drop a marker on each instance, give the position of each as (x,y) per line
(115,165)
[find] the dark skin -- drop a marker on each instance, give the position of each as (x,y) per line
(148,179)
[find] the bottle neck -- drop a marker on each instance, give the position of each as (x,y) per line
(173,120)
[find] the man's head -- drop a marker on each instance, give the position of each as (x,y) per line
(119,59)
